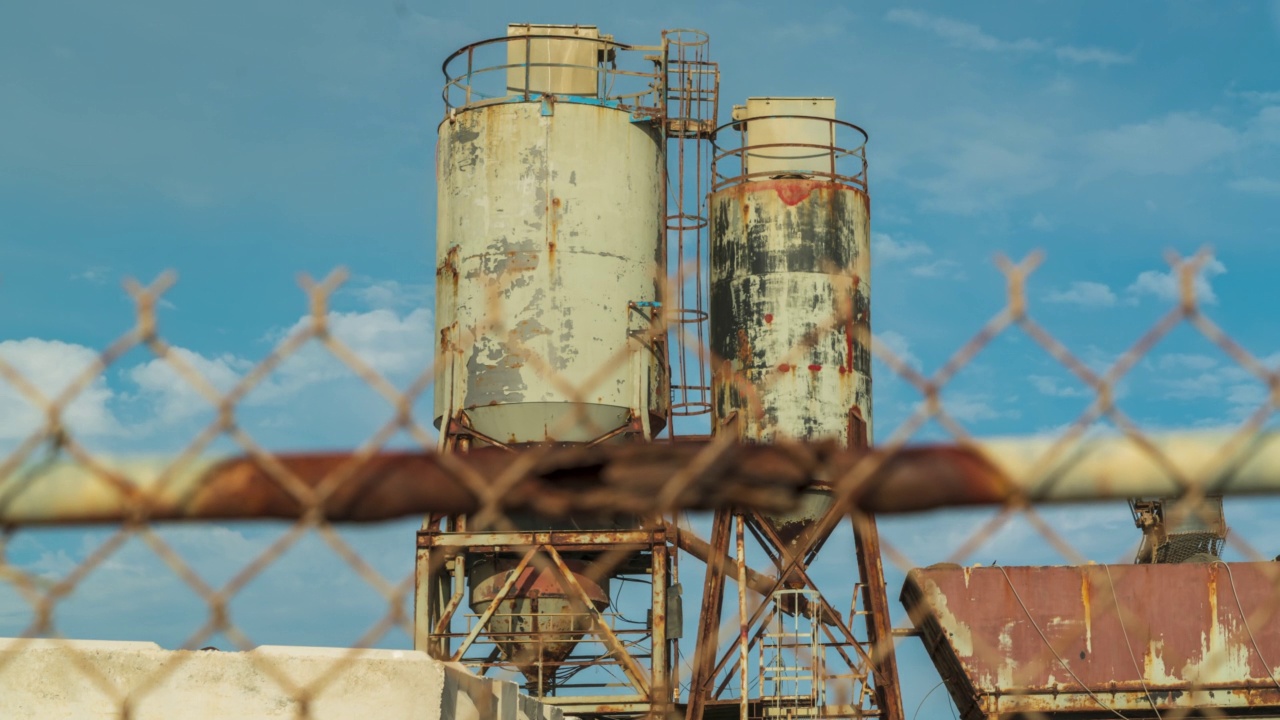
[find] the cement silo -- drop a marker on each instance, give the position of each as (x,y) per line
(790,279)
(550,247)
(551,258)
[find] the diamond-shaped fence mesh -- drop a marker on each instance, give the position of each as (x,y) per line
(792,638)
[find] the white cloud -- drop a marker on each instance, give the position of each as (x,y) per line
(154,401)
(1052,387)
(1185,361)
(1041,223)
(884,247)
(1259,97)
(1224,382)
(1165,285)
(1197,378)
(969,36)
(171,396)
(1091,56)
(1100,360)
(394,345)
(1257,186)
(960,34)
(1084,293)
(50,366)
(1247,396)
(897,344)
(943,268)
(1175,144)
(133,594)
(833,23)
(974,407)
(96,274)
(1061,86)
(983,161)
(1264,129)
(390,294)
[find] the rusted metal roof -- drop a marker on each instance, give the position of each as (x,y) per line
(1098,640)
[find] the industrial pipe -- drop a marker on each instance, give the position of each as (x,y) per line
(629,479)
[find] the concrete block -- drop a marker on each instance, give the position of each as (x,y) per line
(76,679)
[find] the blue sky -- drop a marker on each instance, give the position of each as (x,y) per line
(241,143)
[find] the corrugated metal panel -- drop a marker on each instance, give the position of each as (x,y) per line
(555,211)
(1049,639)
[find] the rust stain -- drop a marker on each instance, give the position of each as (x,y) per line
(449,267)
(848,347)
(768,317)
(744,349)
(553,228)
(1087,606)
(790,191)
(815,367)
(1166,641)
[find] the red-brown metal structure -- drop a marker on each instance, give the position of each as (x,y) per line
(1101,641)
(790,332)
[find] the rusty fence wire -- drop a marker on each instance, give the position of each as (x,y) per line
(52,478)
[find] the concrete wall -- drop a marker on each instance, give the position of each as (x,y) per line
(45,679)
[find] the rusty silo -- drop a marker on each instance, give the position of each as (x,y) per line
(552,229)
(790,281)
(790,341)
(549,236)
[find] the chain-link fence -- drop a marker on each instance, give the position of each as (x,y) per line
(1004,640)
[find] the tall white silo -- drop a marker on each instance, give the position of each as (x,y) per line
(550,249)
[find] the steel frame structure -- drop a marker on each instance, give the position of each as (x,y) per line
(687,86)
(872,671)
(643,656)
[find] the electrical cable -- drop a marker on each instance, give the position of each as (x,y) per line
(1254,641)
(617,611)
(1123,631)
(916,714)
(1049,645)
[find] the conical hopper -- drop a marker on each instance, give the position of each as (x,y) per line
(537,625)
(793,528)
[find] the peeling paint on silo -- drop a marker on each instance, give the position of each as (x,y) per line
(790,317)
(548,228)
(790,308)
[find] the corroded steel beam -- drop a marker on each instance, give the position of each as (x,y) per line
(343,487)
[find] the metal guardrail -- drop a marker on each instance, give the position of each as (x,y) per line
(480,73)
(837,159)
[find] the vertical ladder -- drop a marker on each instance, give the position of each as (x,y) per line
(793,671)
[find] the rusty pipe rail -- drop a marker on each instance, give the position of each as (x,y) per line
(633,479)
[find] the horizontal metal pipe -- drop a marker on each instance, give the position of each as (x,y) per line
(628,479)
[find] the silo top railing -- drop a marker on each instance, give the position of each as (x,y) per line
(509,69)
(840,155)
